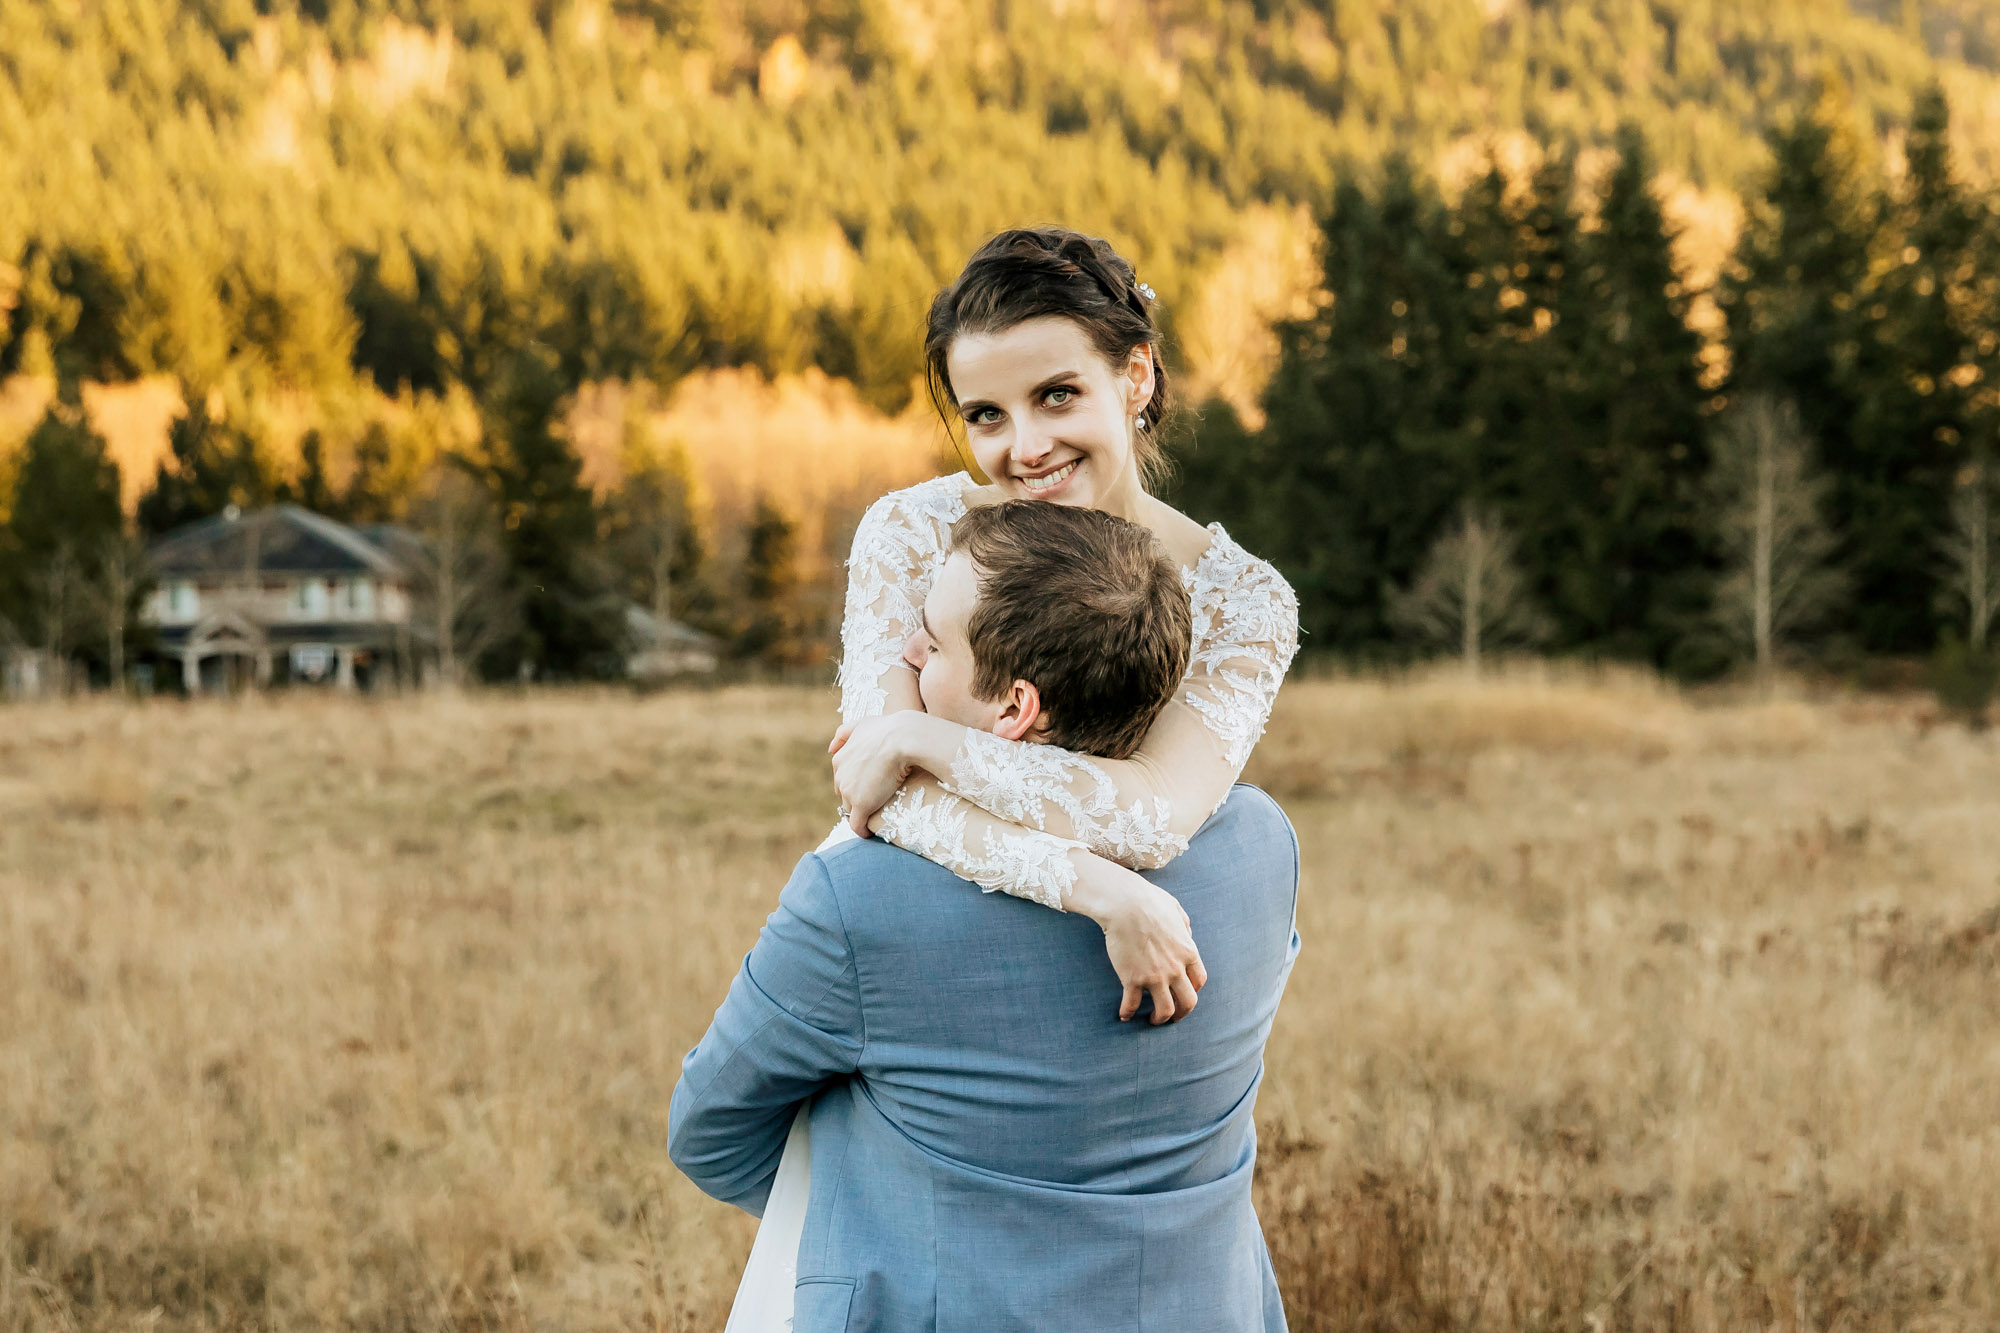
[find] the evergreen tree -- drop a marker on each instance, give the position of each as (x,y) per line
(1527,418)
(770,578)
(1915,417)
(569,626)
(1364,449)
(1798,322)
(64,518)
(314,489)
(650,535)
(210,465)
(1643,577)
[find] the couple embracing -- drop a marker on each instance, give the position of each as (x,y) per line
(939,1102)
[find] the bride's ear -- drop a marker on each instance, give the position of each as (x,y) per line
(1020,713)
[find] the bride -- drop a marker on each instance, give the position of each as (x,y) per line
(1047,352)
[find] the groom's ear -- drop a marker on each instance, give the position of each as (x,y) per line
(1020,713)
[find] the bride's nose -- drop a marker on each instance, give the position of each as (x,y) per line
(1031,448)
(913,650)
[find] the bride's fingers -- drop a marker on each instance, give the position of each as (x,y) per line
(1163,1003)
(1128,1005)
(1197,974)
(840,736)
(1184,1001)
(858,821)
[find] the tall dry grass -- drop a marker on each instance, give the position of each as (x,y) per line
(1615,1012)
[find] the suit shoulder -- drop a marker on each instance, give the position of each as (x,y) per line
(875,863)
(1258,808)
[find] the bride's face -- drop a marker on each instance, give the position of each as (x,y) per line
(1047,417)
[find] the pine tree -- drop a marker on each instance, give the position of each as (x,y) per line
(210,465)
(1641,583)
(1365,448)
(1526,411)
(1798,323)
(569,624)
(65,515)
(770,582)
(1915,417)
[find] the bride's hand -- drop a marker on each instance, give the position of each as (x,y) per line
(1147,934)
(869,763)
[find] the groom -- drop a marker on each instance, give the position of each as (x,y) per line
(992,1149)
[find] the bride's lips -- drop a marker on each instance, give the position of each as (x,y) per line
(1052,483)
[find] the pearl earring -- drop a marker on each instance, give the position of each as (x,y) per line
(1140,421)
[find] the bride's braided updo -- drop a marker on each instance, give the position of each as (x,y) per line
(1031,272)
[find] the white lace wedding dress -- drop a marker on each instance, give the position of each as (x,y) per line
(1016,817)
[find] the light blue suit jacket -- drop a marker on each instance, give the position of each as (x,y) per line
(991,1148)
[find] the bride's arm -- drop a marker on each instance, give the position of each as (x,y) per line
(899,546)
(1138,812)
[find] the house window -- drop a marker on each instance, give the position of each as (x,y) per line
(360,597)
(183,602)
(311,599)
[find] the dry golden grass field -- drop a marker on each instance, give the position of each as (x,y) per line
(1616,1011)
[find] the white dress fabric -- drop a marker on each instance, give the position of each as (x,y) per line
(1010,815)
(764,1297)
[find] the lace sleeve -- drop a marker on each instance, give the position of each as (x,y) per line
(900,545)
(1139,812)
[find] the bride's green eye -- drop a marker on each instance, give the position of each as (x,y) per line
(1057,397)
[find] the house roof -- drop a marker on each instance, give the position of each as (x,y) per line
(283,539)
(649,631)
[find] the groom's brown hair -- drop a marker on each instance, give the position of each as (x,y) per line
(1086,607)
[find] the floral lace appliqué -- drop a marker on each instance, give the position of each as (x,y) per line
(1246,631)
(1027,864)
(899,546)
(1021,783)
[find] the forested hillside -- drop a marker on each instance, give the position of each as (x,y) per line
(277,195)
(350,235)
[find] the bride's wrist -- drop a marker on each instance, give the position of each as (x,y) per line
(927,742)
(1104,892)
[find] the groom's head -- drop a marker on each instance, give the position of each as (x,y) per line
(1055,624)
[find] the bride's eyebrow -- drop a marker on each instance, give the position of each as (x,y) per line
(972,405)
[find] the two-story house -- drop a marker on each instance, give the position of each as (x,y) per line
(279,593)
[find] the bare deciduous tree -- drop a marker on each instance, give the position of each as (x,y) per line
(122,571)
(464,605)
(1469,592)
(650,533)
(1768,505)
(17,670)
(60,594)
(1973,549)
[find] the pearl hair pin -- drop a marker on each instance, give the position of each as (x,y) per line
(1147,292)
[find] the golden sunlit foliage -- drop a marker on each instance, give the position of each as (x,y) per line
(270,195)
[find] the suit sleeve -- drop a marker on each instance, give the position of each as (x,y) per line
(792,1022)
